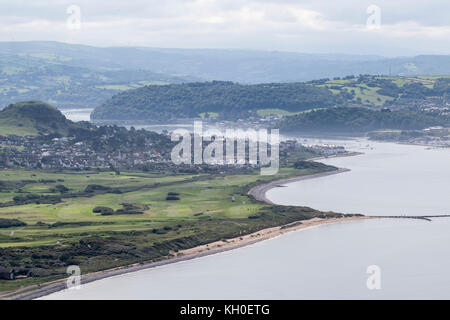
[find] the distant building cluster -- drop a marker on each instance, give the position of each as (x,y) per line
(328,150)
(32,152)
(65,153)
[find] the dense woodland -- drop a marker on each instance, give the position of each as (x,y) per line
(359,120)
(229,99)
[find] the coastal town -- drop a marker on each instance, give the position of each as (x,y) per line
(33,152)
(65,153)
(29,152)
(433,137)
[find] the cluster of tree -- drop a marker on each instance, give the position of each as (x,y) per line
(359,120)
(8,223)
(115,138)
(91,188)
(34,198)
(59,188)
(127,208)
(172,196)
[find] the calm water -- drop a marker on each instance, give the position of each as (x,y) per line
(328,262)
(388,179)
(84,115)
(77,114)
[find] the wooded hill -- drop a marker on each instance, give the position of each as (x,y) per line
(227,99)
(360,120)
(230,101)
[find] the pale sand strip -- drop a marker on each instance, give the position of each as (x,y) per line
(264,234)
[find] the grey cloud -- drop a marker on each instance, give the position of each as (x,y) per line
(409,27)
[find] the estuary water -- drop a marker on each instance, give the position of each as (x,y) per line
(411,257)
(81,114)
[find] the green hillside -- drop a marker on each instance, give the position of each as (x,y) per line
(243,66)
(375,91)
(33,118)
(53,79)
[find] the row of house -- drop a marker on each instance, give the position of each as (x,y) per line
(30,153)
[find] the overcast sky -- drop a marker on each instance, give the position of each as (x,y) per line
(407,27)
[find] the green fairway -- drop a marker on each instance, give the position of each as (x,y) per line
(212,198)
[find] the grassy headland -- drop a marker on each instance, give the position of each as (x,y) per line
(210,208)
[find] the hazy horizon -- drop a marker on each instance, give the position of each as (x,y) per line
(403,28)
(331,53)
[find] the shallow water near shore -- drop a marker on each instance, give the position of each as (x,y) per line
(328,261)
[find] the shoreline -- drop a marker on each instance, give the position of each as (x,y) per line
(409,143)
(184,255)
(259,192)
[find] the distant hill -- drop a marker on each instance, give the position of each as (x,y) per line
(244,66)
(223,99)
(33,118)
(28,72)
(360,120)
(79,76)
(227,100)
